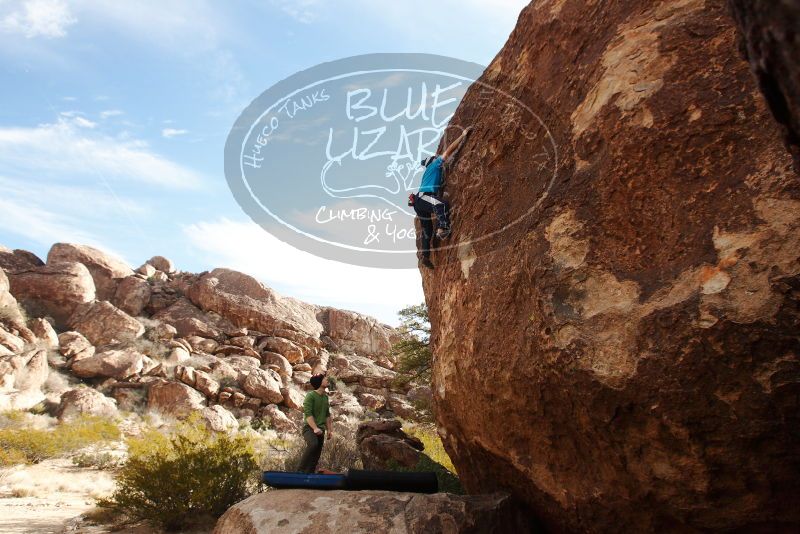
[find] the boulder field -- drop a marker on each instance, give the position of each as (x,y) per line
(616,316)
(220,344)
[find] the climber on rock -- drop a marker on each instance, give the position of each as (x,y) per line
(428,200)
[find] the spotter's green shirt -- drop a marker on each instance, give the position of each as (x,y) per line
(317,406)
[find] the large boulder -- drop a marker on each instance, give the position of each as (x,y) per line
(106,270)
(246,302)
(352,331)
(615,316)
(54,290)
(103,323)
(296,511)
(115,363)
(132,295)
(85,401)
(13,261)
(174,398)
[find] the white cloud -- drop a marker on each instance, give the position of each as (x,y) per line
(34,18)
(46,213)
(304,11)
(70,147)
(172,132)
(248,248)
(110,113)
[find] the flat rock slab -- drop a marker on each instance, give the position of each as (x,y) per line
(299,511)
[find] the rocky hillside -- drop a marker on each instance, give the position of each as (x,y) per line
(617,340)
(219,343)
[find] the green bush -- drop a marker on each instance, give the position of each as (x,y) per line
(27,445)
(188,477)
(433,444)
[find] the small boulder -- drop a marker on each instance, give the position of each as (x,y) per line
(11,343)
(162,264)
(283,365)
(86,401)
(21,379)
(278,420)
(264,384)
(74,345)
(132,295)
(164,332)
(103,323)
(206,385)
(288,349)
(45,333)
(146,270)
(401,408)
(115,363)
(292,398)
(381,442)
(174,398)
(218,419)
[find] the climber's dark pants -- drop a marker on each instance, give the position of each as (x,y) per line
(426,205)
(310,458)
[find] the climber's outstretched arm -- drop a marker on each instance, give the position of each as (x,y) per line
(453,147)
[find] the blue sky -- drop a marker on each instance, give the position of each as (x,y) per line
(115,116)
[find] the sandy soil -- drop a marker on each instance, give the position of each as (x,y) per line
(43,498)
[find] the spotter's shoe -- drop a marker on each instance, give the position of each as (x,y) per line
(443,233)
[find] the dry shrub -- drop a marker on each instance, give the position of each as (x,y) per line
(338,454)
(32,445)
(188,477)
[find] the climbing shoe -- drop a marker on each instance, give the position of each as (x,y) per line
(443,233)
(426,262)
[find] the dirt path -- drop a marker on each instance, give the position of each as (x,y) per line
(42,498)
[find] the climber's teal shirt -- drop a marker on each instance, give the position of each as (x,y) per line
(432,178)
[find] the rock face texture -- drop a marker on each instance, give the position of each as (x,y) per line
(615,317)
(368,512)
(771,44)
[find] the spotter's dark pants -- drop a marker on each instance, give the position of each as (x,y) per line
(425,206)
(310,458)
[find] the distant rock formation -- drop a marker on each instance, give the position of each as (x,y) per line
(615,318)
(220,344)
